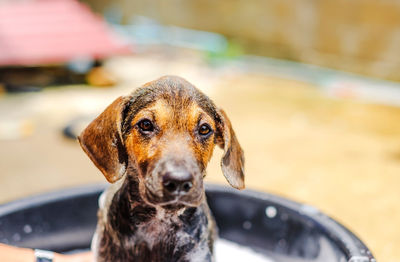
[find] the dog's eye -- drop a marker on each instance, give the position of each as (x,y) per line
(145,125)
(204,130)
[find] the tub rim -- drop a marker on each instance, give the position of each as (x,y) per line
(347,241)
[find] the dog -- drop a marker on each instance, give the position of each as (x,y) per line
(154,146)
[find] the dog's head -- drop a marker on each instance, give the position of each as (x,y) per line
(166,130)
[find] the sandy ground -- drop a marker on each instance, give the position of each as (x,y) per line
(338,155)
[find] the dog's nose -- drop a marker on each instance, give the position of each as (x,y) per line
(176,183)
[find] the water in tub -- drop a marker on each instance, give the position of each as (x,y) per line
(229,251)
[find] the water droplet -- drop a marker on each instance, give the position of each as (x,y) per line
(247,225)
(282,243)
(16,237)
(271,211)
(27,229)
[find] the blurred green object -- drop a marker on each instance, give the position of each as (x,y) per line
(232,50)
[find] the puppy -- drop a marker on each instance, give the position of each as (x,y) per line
(154,146)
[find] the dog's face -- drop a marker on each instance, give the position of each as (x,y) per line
(171,143)
(166,131)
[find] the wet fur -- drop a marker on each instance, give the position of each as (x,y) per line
(137,222)
(135,231)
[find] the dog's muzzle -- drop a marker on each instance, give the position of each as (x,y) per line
(175,182)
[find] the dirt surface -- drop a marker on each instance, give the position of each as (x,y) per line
(338,155)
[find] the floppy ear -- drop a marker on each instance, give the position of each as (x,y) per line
(102,141)
(232,162)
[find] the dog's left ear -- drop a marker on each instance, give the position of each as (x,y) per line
(102,141)
(232,162)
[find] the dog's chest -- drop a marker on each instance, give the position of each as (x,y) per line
(162,227)
(178,236)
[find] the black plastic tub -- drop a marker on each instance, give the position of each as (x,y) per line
(279,228)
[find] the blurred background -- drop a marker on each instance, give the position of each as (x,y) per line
(310,87)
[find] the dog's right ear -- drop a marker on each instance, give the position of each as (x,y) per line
(102,141)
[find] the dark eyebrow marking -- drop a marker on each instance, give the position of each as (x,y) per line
(152,117)
(199,119)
